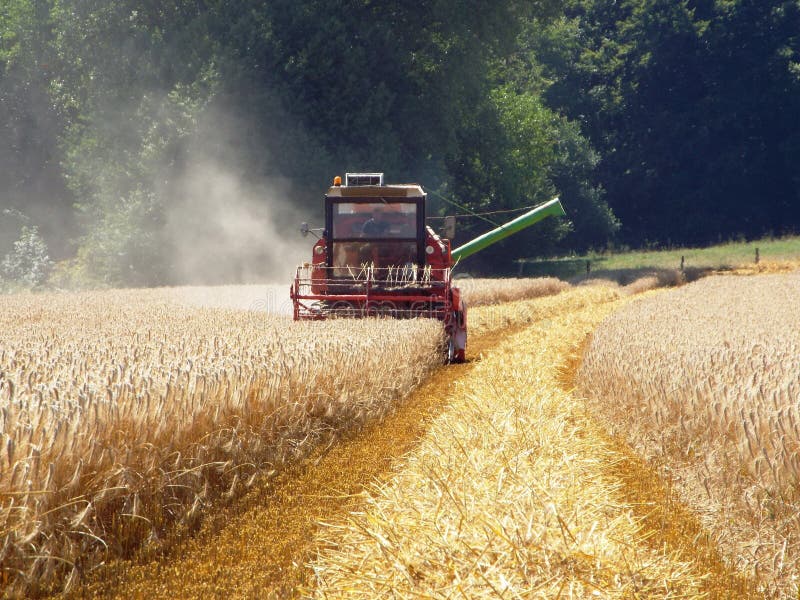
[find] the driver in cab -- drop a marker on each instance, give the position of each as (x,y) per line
(376,225)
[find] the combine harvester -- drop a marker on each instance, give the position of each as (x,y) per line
(376,257)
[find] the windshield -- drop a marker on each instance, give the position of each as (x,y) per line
(374,220)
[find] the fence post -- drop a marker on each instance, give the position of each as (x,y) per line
(757,256)
(588,267)
(682,263)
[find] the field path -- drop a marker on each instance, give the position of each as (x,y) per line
(261,545)
(518,491)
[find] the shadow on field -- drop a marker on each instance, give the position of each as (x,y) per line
(664,277)
(578,271)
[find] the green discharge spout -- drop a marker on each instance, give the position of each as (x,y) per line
(552,208)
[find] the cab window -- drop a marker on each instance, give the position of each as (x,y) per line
(374,220)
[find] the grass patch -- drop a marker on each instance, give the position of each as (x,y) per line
(719,257)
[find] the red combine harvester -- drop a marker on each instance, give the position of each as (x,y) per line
(376,257)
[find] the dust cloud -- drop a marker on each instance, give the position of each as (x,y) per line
(223,229)
(230,215)
(211,213)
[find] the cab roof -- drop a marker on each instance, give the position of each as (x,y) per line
(404,190)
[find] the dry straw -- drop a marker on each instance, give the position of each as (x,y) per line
(705,380)
(505,496)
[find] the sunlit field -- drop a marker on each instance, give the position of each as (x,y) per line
(511,493)
(126,413)
(705,382)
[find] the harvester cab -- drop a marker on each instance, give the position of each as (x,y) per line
(377,257)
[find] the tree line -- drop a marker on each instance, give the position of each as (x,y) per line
(656,121)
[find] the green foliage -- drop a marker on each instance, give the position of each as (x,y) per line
(122,247)
(519,152)
(135,106)
(529,129)
(28,264)
(306,90)
(573,173)
(124,188)
(31,178)
(632,263)
(693,107)
(9,18)
(682,118)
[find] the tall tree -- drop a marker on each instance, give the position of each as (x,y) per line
(132,81)
(31,179)
(692,106)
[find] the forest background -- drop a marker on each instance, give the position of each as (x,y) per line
(165,142)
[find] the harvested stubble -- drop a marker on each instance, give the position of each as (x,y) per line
(705,382)
(123,413)
(505,496)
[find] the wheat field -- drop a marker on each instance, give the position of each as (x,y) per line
(511,493)
(124,414)
(485,292)
(705,382)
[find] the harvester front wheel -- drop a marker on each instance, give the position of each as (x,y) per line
(451,350)
(457,340)
(455,355)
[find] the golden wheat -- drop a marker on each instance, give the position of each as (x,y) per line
(706,380)
(275,298)
(483,292)
(124,412)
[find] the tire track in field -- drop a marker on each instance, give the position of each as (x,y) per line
(378,547)
(668,522)
(260,545)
